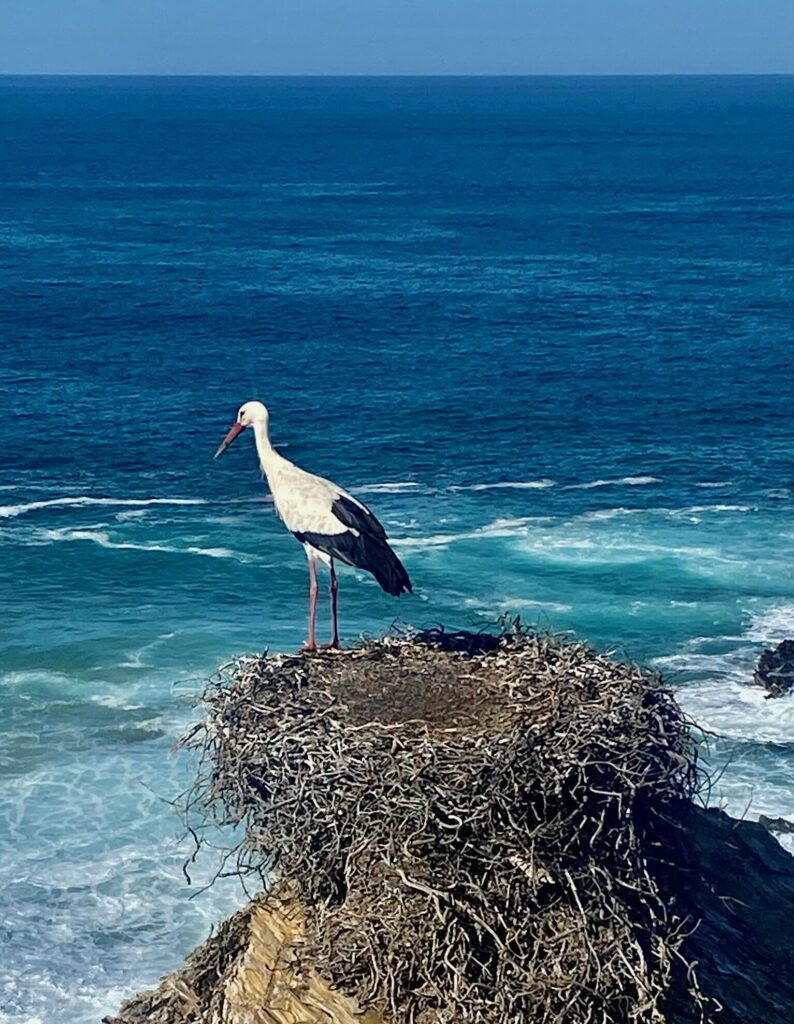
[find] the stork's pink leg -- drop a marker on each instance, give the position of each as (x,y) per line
(334,612)
(311,643)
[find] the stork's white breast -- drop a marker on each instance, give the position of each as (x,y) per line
(305,502)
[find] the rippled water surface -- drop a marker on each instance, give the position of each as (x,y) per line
(543,326)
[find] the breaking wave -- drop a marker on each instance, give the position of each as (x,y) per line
(516,485)
(772,626)
(105,541)
(85,501)
(517,527)
(398,487)
(623,481)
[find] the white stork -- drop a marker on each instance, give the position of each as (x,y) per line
(328,522)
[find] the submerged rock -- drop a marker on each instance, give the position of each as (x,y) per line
(775,671)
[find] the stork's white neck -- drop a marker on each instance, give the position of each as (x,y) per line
(268,456)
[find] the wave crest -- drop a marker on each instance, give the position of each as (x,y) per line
(623,481)
(104,540)
(85,501)
(516,485)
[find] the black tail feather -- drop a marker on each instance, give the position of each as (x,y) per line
(391,573)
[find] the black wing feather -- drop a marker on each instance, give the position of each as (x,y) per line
(366,548)
(364,551)
(357,517)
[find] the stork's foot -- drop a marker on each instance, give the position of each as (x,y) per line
(309,648)
(334,645)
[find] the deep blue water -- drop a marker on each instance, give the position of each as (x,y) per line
(542,325)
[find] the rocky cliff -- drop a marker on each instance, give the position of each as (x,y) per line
(467,828)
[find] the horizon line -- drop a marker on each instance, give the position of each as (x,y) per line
(397,74)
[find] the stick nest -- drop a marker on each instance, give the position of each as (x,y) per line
(479,826)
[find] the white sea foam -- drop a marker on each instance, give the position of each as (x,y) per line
(135,659)
(506,526)
(516,485)
(84,501)
(624,481)
(787,841)
(115,701)
(736,655)
(736,710)
(744,793)
(773,625)
(670,513)
(735,665)
(217,553)
(101,538)
(714,484)
(519,527)
(26,678)
(535,538)
(432,540)
(82,1003)
(723,701)
(610,513)
(513,604)
(699,509)
(386,488)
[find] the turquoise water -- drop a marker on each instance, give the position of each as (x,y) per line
(541,325)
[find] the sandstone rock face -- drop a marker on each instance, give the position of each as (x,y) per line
(245,975)
(775,671)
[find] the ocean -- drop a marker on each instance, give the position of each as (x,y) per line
(541,325)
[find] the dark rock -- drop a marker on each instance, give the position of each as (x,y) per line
(739,886)
(780,825)
(775,671)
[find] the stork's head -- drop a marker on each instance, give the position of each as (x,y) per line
(247,416)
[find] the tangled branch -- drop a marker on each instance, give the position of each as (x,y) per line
(479,827)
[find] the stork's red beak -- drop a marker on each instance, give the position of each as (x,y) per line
(238,428)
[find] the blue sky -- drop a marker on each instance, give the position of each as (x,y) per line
(396,36)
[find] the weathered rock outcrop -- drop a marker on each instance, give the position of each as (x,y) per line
(775,671)
(476,830)
(738,884)
(245,975)
(777,826)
